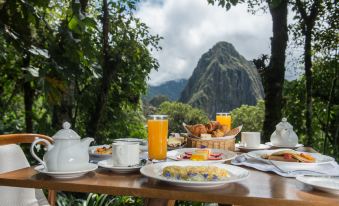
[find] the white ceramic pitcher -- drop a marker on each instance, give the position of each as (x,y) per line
(68,153)
(284,136)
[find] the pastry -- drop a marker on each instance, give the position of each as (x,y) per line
(201,154)
(211,126)
(218,133)
(103,150)
(197,129)
(214,128)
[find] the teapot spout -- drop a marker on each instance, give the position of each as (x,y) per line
(86,141)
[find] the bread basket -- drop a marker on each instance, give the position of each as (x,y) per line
(226,143)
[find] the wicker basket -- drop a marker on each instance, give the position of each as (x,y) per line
(225,144)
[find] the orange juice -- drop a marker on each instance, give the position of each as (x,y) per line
(157,138)
(224,119)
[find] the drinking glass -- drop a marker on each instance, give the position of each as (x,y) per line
(224,119)
(157,137)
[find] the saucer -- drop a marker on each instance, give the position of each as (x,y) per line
(275,146)
(108,164)
(66,175)
(248,149)
(324,183)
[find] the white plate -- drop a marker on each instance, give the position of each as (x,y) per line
(289,166)
(274,146)
(95,155)
(324,183)
(108,164)
(226,155)
(248,149)
(66,175)
(155,171)
(98,157)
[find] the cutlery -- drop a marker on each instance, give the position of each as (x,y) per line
(296,170)
(326,176)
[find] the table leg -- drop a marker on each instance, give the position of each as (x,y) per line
(52,197)
(158,202)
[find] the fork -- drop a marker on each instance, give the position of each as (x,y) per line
(297,170)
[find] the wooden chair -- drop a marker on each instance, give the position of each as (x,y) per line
(28,138)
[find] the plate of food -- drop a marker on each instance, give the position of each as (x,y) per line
(201,155)
(100,151)
(288,159)
(194,174)
(211,130)
(176,141)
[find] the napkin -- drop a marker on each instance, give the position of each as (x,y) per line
(331,168)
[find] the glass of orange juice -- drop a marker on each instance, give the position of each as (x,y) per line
(224,119)
(157,137)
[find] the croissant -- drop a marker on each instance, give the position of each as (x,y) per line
(218,133)
(215,125)
(233,131)
(224,129)
(197,129)
(209,127)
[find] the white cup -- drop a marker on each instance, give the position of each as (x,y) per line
(125,154)
(250,139)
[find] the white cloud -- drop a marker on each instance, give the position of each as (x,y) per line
(191,27)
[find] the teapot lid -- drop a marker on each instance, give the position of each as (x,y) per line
(66,133)
(284,124)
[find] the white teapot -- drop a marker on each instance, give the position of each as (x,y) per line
(68,153)
(284,136)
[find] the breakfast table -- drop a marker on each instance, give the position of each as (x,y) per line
(261,188)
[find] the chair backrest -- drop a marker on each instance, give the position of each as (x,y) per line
(11,155)
(21,138)
(13,158)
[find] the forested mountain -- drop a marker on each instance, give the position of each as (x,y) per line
(223,80)
(171,89)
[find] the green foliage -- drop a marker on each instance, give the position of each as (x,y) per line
(179,112)
(188,203)
(325,109)
(65,67)
(251,117)
(93,199)
(64,199)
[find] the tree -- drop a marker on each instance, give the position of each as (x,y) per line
(17,20)
(179,113)
(273,76)
(308,13)
(67,69)
(316,25)
(126,60)
(251,117)
(325,107)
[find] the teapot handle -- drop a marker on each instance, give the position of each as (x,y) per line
(49,145)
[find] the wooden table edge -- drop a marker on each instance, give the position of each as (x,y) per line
(153,193)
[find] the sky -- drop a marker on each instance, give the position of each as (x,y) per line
(191,27)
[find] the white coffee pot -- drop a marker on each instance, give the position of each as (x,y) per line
(68,153)
(284,136)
